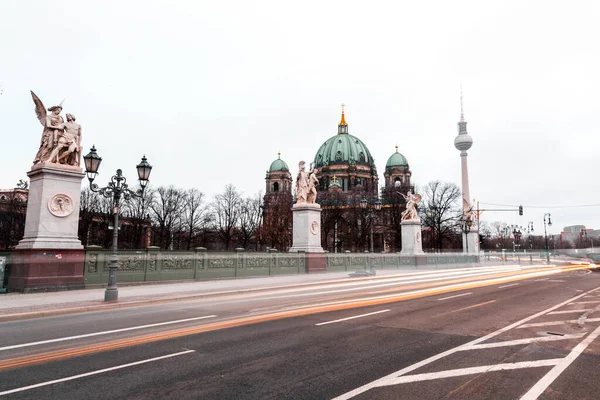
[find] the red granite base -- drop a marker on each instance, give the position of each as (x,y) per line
(39,270)
(315,263)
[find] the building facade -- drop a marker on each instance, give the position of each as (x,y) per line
(347,177)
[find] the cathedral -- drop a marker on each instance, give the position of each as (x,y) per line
(357,214)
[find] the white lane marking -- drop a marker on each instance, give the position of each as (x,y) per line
(436,357)
(100,371)
(456,295)
(381,285)
(550,323)
(559,368)
(469,371)
(18,346)
(525,341)
(356,316)
(569,311)
(502,287)
(587,302)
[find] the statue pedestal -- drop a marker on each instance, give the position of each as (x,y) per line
(50,256)
(412,243)
(471,240)
(306,228)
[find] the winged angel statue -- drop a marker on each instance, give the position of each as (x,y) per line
(61,141)
(411,206)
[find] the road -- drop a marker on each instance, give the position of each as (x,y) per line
(478,333)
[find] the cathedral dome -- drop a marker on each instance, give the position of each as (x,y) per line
(343,149)
(279,165)
(396,160)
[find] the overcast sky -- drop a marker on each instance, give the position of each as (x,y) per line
(211,91)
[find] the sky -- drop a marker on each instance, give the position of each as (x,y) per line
(210,91)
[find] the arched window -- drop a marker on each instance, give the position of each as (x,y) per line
(276,187)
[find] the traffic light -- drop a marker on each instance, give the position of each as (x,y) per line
(520,210)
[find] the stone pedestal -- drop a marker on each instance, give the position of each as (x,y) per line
(471,242)
(36,270)
(52,207)
(50,256)
(412,243)
(306,228)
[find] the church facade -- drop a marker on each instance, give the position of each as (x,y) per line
(358,215)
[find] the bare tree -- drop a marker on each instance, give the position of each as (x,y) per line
(196,215)
(137,219)
(167,209)
(441,213)
(250,218)
(95,217)
(226,213)
(276,229)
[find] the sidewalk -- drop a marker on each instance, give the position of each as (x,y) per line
(32,305)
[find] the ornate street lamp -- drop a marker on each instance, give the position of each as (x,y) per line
(466,225)
(376,206)
(517,235)
(116,188)
(546,236)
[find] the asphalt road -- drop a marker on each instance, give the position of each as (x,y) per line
(408,337)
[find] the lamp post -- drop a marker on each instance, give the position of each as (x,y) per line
(529,232)
(116,188)
(517,235)
(546,236)
(370,207)
(503,234)
(466,225)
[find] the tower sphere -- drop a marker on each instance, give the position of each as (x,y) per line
(463,142)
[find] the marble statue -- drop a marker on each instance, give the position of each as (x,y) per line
(68,150)
(313,182)
(411,206)
(61,142)
(302,184)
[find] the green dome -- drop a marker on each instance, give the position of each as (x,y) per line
(396,160)
(278,165)
(343,149)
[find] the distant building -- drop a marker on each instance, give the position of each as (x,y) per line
(573,229)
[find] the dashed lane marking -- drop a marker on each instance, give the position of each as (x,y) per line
(505,286)
(132,328)
(465,308)
(586,302)
(456,295)
(349,318)
(100,371)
